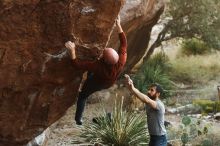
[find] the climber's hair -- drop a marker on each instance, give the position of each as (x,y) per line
(159,89)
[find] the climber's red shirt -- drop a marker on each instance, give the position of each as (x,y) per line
(105,74)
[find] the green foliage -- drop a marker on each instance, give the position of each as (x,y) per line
(190,19)
(159,59)
(195,69)
(198,18)
(186,120)
(123,129)
(207,142)
(208,106)
(184,138)
(153,71)
(194,47)
(188,130)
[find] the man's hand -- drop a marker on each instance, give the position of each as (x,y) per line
(71,47)
(129,82)
(118,24)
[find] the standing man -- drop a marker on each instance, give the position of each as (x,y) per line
(155,112)
(102,73)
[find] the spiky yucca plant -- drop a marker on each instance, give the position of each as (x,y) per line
(122,129)
(194,47)
(154,71)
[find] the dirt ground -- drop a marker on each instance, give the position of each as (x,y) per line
(65,132)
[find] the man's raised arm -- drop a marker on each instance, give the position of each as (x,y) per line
(144,98)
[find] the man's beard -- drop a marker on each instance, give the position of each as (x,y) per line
(153,97)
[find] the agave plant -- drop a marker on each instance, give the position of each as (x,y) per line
(154,71)
(121,129)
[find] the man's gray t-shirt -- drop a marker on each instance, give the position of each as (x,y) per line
(155,119)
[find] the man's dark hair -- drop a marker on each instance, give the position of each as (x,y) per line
(159,89)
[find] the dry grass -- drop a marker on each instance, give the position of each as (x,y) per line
(196,69)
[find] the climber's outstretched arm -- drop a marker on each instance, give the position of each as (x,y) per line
(122,51)
(118,24)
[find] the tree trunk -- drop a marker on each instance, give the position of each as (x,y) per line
(161,37)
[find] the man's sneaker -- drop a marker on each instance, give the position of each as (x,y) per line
(79,127)
(78,122)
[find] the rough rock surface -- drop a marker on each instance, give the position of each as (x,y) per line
(37,81)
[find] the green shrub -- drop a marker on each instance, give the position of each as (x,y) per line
(189,130)
(208,106)
(153,71)
(207,142)
(184,138)
(194,47)
(123,129)
(159,59)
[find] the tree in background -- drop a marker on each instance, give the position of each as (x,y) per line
(190,19)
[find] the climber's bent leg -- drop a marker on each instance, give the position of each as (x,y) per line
(88,88)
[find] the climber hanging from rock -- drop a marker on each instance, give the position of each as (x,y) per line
(102,73)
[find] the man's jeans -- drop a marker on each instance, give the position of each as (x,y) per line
(158,140)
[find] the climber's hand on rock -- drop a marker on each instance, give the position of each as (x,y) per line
(118,24)
(71,47)
(118,21)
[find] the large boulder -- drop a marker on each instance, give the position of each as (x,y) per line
(37,81)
